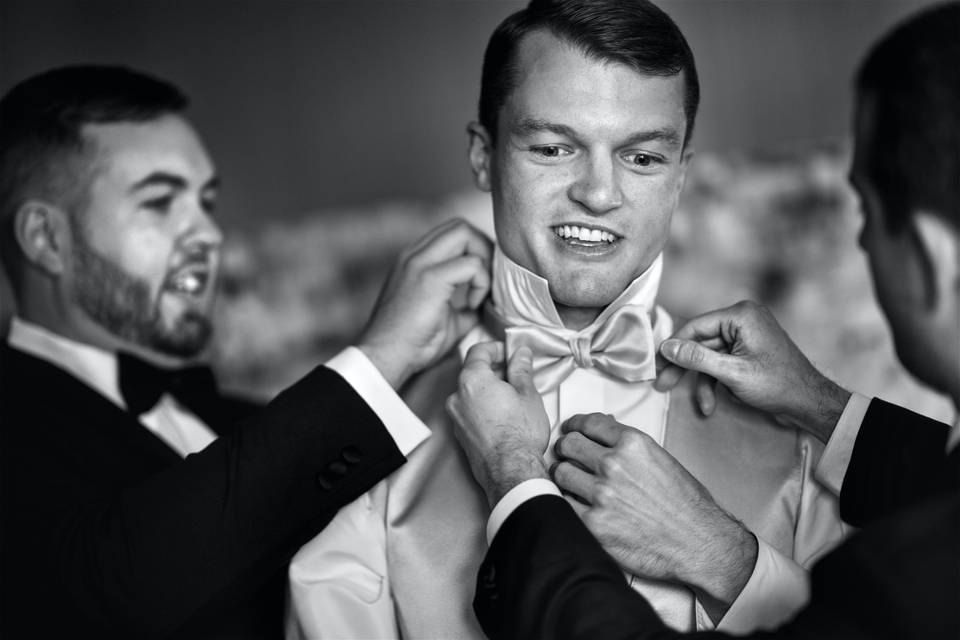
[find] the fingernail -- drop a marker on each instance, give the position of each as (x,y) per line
(669,348)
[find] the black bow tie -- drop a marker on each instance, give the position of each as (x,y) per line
(142,384)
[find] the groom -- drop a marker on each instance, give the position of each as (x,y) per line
(586,113)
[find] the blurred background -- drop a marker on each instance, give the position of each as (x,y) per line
(339,132)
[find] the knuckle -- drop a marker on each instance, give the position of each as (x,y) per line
(604,495)
(633,441)
(747,308)
(596,418)
(559,446)
(561,473)
(610,466)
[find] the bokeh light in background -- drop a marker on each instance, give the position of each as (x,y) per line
(338,128)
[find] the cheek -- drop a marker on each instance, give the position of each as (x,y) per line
(524,202)
(652,206)
(145,254)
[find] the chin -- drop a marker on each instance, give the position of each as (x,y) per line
(588,295)
(187,338)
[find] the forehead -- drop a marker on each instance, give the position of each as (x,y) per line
(557,82)
(129,151)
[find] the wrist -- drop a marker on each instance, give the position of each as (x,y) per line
(509,469)
(822,409)
(722,575)
(393,365)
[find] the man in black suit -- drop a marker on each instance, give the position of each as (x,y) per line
(136,500)
(546,576)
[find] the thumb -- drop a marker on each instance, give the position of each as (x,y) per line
(696,357)
(520,370)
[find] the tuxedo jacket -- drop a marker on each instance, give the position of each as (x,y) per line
(545,576)
(106,532)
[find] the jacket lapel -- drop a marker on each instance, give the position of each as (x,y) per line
(33,382)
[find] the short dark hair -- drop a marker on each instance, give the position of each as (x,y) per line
(41,138)
(910,76)
(636,33)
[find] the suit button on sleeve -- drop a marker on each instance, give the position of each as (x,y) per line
(325,483)
(351,454)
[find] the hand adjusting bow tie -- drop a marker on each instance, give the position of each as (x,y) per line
(142,384)
(621,346)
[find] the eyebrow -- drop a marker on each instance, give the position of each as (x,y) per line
(669,137)
(530,126)
(172,180)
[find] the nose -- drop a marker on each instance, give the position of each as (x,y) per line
(597,189)
(203,232)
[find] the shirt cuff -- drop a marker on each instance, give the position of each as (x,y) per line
(406,429)
(836,455)
(515,497)
(776,590)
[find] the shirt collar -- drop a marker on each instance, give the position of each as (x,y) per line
(93,366)
(522,297)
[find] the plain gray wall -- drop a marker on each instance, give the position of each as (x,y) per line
(310,105)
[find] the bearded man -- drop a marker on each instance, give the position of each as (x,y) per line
(137,501)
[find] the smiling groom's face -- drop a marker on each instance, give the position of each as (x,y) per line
(586,171)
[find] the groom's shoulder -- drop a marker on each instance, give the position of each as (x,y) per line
(426,394)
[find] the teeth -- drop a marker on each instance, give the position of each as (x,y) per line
(187,283)
(584,234)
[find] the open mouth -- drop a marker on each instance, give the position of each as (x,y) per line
(190,281)
(584,235)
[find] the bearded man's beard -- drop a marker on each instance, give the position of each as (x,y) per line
(121,304)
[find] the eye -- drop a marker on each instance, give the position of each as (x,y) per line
(642,159)
(159,204)
(208,204)
(550,151)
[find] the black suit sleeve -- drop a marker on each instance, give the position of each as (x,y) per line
(142,560)
(898,459)
(546,577)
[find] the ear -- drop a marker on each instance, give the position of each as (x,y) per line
(685,158)
(481,148)
(43,233)
(938,244)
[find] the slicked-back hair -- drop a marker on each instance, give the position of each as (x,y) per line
(910,77)
(42,148)
(633,32)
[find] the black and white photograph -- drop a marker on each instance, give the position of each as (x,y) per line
(467,319)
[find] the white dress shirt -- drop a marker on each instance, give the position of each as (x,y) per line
(176,425)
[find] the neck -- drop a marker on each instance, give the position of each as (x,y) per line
(577,318)
(73,324)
